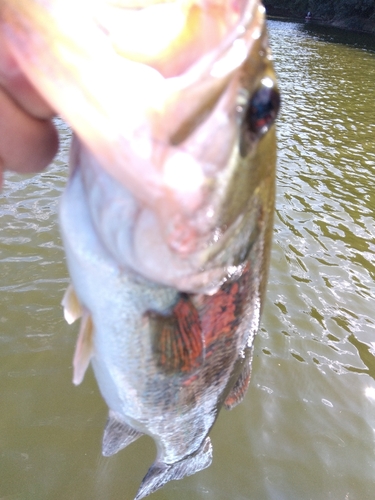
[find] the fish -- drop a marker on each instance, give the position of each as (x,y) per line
(167,216)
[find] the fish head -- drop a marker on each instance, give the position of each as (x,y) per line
(175,101)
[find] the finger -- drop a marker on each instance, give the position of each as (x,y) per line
(27,144)
(13,81)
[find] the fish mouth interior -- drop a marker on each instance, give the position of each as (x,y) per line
(169,35)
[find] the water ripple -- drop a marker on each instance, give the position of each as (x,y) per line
(318,333)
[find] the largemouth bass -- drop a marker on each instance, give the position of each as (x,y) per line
(167,216)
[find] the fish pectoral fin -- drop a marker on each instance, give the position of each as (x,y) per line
(239,389)
(178,339)
(117,435)
(71,305)
(84,348)
(160,473)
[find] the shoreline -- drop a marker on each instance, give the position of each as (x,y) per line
(355,24)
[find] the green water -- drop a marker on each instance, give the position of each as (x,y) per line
(306,430)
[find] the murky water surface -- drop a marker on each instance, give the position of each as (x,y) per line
(307,427)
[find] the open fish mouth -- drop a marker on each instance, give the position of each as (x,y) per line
(167,216)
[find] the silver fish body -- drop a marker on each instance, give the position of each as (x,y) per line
(165,360)
(167,216)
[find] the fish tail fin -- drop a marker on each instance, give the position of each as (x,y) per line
(117,435)
(160,473)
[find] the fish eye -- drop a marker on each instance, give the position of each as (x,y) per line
(262,110)
(260,114)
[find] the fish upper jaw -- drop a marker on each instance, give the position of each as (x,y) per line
(177,33)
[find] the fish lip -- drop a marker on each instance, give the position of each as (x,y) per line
(105,17)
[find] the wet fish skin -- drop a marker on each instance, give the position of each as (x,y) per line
(170,282)
(148,388)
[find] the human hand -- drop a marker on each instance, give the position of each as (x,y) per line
(28,138)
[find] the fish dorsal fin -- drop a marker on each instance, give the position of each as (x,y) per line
(239,389)
(71,305)
(160,473)
(178,339)
(84,348)
(117,435)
